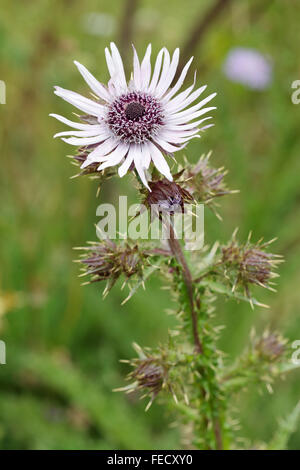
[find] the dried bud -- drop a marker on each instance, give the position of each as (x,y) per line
(249,263)
(167,196)
(107,260)
(271,346)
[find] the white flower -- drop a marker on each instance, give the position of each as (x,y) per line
(136,123)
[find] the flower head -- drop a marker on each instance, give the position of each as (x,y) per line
(134,123)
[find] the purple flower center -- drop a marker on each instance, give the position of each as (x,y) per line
(135,117)
(134,111)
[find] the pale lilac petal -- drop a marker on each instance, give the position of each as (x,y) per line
(159,161)
(94,84)
(80,102)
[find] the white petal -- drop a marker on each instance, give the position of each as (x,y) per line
(206,127)
(83,141)
(116,80)
(162,87)
(164,73)
(184,127)
(170,104)
(174,106)
(115,157)
(126,164)
(180,80)
(76,125)
(80,102)
(99,153)
(137,79)
(177,137)
(90,133)
(119,68)
(138,163)
(159,161)
(156,72)
(93,83)
(190,117)
(166,146)
(196,107)
(146,68)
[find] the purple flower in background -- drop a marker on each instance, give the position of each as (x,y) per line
(249,67)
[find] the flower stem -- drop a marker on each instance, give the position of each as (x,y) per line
(176,249)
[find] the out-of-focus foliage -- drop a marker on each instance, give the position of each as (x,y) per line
(63,341)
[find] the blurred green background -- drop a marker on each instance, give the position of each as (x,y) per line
(63,342)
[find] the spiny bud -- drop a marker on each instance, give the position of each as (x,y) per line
(107,260)
(149,374)
(167,196)
(249,263)
(206,183)
(271,346)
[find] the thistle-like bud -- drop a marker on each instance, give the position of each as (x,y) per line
(149,374)
(249,263)
(107,260)
(167,196)
(270,346)
(206,183)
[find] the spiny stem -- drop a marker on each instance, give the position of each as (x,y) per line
(178,253)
